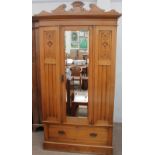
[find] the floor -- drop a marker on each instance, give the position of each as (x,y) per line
(37,139)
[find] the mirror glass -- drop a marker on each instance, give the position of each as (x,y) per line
(76,69)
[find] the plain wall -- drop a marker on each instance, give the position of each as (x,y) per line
(118,86)
(107,5)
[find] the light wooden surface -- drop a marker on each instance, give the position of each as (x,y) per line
(91,134)
(38,137)
(50,73)
(78,134)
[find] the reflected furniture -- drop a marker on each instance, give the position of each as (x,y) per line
(84,85)
(80,55)
(77,101)
(91,134)
(70,97)
(73,54)
(76,76)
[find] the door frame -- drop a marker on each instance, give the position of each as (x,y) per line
(68,119)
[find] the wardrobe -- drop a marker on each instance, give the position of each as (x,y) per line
(76,61)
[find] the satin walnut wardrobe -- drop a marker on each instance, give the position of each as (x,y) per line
(77,75)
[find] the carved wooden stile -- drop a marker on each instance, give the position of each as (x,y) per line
(50,71)
(103,68)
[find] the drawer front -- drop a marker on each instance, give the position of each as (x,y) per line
(76,134)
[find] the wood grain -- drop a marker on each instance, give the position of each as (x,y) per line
(92,134)
(69,147)
(78,11)
(104,81)
(50,73)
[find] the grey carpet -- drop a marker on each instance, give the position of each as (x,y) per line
(37,139)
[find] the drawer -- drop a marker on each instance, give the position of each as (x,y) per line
(76,134)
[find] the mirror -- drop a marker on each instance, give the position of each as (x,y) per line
(76,69)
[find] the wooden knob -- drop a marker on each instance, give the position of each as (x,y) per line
(93,134)
(61,132)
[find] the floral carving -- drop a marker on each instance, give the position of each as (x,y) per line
(77,6)
(49,35)
(49,41)
(105,44)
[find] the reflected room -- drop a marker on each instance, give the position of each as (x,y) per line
(76,69)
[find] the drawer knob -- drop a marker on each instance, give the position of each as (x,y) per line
(93,134)
(61,132)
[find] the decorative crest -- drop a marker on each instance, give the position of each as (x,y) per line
(77,6)
(78,9)
(60,8)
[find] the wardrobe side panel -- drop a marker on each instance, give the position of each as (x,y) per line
(35,112)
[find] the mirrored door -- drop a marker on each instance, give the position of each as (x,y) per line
(76,72)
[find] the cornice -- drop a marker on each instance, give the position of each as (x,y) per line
(77,11)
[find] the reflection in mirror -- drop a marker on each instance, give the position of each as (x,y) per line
(76,68)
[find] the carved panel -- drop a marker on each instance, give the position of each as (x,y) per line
(105,44)
(103,84)
(49,44)
(50,82)
(51,98)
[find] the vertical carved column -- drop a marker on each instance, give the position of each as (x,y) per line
(50,72)
(103,71)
